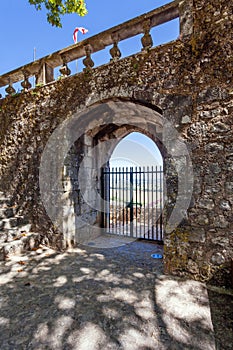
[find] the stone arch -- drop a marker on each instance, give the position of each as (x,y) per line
(120,132)
(87,140)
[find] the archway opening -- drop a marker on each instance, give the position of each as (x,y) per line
(136,150)
(86,200)
(133,189)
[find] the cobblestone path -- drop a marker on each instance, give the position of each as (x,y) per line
(92,298)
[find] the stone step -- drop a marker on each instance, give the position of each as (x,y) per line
(28,242)
(4,201)
(15,221)
(7,212)
(14,233)
(3,237)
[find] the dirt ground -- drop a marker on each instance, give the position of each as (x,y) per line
(115,297)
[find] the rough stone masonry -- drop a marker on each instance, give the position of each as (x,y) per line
(189,81)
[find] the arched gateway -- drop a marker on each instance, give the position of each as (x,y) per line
(71,182)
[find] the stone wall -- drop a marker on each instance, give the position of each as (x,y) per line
(190,81)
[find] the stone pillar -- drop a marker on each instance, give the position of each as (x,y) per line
(186,18)
(45,74)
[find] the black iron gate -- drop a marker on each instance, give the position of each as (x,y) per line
(133,202)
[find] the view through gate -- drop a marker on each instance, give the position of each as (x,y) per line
(133,202)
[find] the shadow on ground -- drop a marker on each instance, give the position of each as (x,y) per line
(91,298)
(221,307)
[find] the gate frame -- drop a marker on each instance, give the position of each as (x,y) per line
(106,173)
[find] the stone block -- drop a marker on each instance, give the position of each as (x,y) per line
(197,235)
(214,147)
(186,119)
(217,258)
(206,203)
(225,205)
(210,94)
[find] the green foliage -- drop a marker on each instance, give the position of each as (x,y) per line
(58,8)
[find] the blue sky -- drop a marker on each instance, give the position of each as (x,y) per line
(136,150)
(24,29)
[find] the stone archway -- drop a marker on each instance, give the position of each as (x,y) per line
(86,142)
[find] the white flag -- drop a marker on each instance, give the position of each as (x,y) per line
(78,29)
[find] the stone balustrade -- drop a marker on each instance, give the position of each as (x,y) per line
(43,69)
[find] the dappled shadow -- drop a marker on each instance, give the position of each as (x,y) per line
(220,293)
(92,298)
(221,306)
(183,314)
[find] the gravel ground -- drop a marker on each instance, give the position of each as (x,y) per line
(101,298)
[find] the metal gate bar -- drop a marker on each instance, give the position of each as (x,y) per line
(133,202)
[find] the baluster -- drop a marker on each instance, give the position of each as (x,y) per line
(114,51)
(26,83)
(88,63)
(64,70)
(10,90)
(146,40)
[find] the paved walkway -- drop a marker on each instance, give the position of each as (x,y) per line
(100,298)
